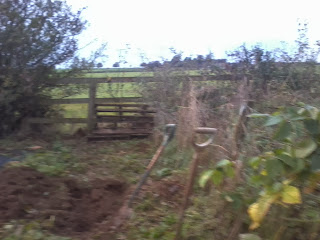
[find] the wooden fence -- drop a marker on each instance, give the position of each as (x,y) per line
(92,100)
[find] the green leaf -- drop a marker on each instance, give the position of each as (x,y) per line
(312,126)
(315,162)
(292,113)
(274,167)
(302,111)
(297,118)
(276,187)
(300,165)
(205,177)
(164,172)
(273,120)
(286,159)
(217,177)
(255,162)
(283,130)
(249,236)
(229,171)
(258,115)
(305,148)
(226,166)
(257,179)
(313,111)
(223,163)
(236,200)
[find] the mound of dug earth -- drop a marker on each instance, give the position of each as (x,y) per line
(77,208)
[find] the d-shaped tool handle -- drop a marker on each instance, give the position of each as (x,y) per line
(169,132)
(204,130)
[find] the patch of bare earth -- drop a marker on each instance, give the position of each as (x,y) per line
(80,210)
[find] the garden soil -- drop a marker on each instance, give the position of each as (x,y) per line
(85,210)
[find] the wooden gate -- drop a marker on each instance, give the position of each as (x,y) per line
(122,120)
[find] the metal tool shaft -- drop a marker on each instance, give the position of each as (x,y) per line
(146,174)
(169,134)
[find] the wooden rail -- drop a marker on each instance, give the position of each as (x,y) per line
(101,119)
(55,120)
(97,100)
(119,79)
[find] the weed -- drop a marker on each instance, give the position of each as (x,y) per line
(208,218)
(173,158)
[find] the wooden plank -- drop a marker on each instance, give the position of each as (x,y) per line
(123,131)
(122,105)
(195,77)
(56,120)
(102,119)
(126,110)
(124,118)
(91,106)
(97,101)
(114,137)
(103,80)
(148,127)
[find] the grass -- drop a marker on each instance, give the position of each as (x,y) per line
(62,157)
(75,110)
(28,230)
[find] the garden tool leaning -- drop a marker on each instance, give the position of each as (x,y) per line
(192,174)
(168,135)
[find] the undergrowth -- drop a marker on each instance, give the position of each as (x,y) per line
(54,162)
(160,224)
(28,230)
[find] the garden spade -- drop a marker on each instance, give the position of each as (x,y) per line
(126,210)
(192,173)
(168,135)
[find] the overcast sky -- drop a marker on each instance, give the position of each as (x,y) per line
(193,27)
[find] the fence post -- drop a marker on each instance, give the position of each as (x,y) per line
(91,106)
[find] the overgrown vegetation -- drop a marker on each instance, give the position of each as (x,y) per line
(267,82)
